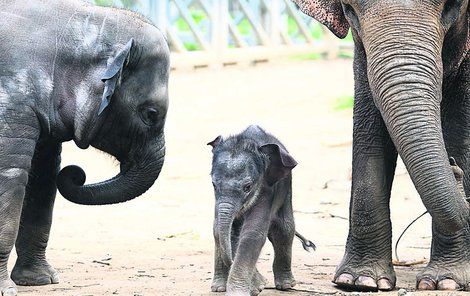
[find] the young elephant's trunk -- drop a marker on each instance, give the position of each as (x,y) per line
(225,217)
(134,179)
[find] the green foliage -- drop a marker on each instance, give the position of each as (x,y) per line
(307,57)
(344,103)
(125,3)
(244,27)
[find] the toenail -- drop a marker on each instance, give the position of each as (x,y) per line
(366,282)
(426,284)
(448,285)
(384,284)
(345,279)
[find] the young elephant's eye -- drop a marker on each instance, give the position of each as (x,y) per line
(149,115)
(247,187)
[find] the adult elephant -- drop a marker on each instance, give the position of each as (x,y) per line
(72,71)
(412,96)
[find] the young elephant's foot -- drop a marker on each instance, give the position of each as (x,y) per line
(8,288)
(284,281)
(365,274)
(449,268)
(34,274)
(258,283)
(219,284)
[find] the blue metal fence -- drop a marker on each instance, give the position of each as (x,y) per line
(218,32)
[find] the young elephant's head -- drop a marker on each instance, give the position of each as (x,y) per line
(125,119)
(243,172)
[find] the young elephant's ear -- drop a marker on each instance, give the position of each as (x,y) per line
(112,75)
(328,12)
(215,142)
(280,162)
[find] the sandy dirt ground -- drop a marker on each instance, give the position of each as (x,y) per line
(161,243)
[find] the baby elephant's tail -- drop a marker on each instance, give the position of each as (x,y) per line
(308,245)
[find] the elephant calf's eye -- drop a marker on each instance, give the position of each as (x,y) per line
(247,187)
(149,115)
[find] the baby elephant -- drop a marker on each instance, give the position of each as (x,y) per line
(251,174)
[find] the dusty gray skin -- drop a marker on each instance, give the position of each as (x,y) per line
(251,174)
(412,96)
(56,58)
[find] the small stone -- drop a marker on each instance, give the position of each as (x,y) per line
(355,294)
(402,292)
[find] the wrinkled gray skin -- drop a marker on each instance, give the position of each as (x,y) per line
(53,55)
(412,97)
(251,174)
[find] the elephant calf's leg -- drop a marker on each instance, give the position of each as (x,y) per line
(281,234)
(31,268)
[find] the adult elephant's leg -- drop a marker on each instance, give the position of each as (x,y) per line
(31,268)
(455,110)
(18,136)
(367,262)
(456,122)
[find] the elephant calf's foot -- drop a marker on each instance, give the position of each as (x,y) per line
(258,283)
(34,274)
(284,280)
(8,288)
(219,284)
(365,275)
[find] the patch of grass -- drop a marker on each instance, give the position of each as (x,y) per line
(244,27)
(307,57)
(345,55)
(181,25)
(104,2)
(125,3)
(344,103)
(317,32)
(191,46)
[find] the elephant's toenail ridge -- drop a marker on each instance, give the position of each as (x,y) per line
(426,284)
(448,285)
(345,279)
(366,282)
(384,285)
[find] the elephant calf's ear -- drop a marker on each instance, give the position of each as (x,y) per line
(112,75)
(328,12)
(280,162)
(215,142)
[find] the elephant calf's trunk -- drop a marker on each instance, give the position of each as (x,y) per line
(225,217)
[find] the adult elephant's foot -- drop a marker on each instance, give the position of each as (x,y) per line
(8,288)
(365,274)
(34,274)
(449,268)
(284,281)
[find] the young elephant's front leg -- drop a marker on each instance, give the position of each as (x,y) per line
(31,268)
(17,143)
(243,279)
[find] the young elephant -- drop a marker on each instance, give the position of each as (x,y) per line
(251,174)
(72,71)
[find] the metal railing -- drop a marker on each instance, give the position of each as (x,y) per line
(220,32)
